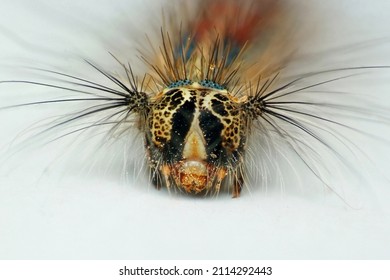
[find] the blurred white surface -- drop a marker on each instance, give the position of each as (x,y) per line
(53,205)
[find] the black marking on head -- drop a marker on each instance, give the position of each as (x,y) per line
(221,97)
(181,124)
(219,108)
(212,130)
(175,99)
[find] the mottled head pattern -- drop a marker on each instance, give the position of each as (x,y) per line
(195,138)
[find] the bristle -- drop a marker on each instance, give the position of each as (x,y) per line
(225,42)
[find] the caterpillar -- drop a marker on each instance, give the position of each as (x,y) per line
(216,93)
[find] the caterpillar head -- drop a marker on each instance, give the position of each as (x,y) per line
(195,138)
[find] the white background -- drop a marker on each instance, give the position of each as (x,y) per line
(64,201)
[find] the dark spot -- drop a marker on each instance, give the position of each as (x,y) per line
(219,108)
(229,107)
(160,139)
(171,92)
(233,113)
(221,97)
(176,99)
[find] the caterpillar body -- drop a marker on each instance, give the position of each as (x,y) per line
(213,87)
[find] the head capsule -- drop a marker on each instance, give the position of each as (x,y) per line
(195,137)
